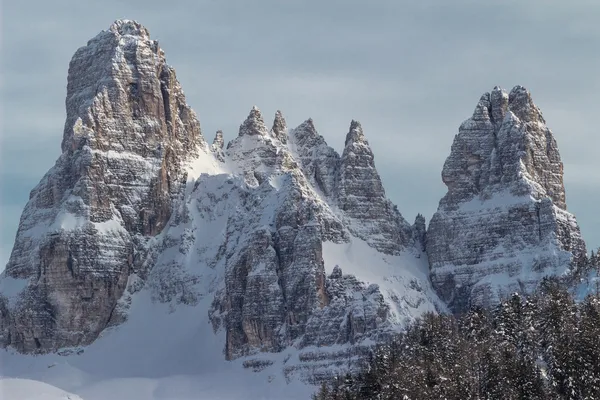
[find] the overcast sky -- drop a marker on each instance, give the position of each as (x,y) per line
(409,71)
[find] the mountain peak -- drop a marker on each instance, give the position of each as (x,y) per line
(306,135)
(522,105)
(129,27)
(308,126)
(355,134)
(280,127)
(254,124)
(109,73)
(504,165)
(513,149)
(128,139)
(498,105)
(362,196)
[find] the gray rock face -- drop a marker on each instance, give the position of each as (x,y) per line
(319,162)
(275,273)
(127,134)
(254,124)
(503,223)
(361,196)
(217,146)
(419,230)
(280,128)
(276,293)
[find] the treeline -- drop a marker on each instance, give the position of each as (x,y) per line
(546,346)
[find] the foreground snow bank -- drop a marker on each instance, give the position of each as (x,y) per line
(27,389)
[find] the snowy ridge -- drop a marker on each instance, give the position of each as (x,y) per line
(224,214)
(255,189)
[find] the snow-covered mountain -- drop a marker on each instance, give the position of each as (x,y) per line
(274,249)
(503,224)
(151,264)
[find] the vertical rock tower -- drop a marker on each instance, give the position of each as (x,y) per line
(503,224)
(127,136)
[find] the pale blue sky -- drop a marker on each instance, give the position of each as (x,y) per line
(410,71)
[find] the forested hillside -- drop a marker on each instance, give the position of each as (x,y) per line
(546,346)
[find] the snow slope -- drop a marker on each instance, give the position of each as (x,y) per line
(157,354)
(26,389)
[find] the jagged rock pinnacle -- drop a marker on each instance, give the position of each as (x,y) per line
(280,128)
(526,158)
(110,72)
(254,124)
(521,104)
(217,146)
(362,196)
(317,160)
(218,141)
(504,168)
(498,105)
(355,134)
(307,129)
(419,231)
(129,27)
(127,136)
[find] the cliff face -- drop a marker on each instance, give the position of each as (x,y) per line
(127,134)
(503,223)
(275,239)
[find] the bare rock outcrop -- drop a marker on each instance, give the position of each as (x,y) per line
(503,223)
(276,292)
(127,136)
(362,197)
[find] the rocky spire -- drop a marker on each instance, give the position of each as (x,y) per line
(306,133)
(505,199)
(357,172)
(280,128)
(217,146)
(218,141)
(109,73)
(355,134)
(362,197)
(318,161)
(419,232)
(498,105)
(128,134)
(521,104)
(254,124)
(525,155)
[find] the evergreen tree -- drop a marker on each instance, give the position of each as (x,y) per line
(545,346)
